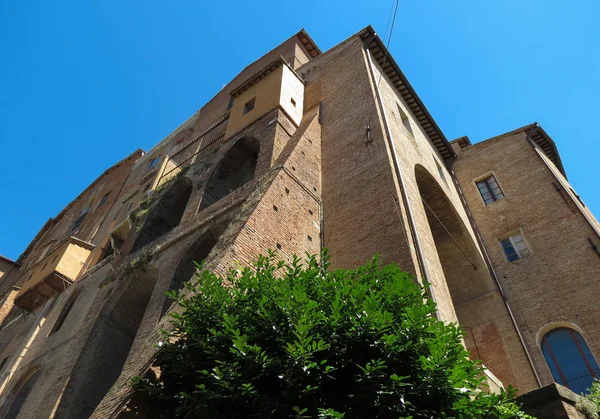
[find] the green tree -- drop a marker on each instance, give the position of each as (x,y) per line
(297,340)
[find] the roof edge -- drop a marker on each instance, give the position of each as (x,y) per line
(537,134)
(408,93)
(308,43)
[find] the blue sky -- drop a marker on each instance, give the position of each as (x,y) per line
(84,83)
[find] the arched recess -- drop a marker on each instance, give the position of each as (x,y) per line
(17,399)
(569,358)
(197,252)
(167,214)
(234,170)
(468,279)
(107,348)
(464,269)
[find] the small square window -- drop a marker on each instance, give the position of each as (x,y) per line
(248,106)
(514,247)
(293,102)
(490,190)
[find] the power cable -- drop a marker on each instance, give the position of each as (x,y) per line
(387,48)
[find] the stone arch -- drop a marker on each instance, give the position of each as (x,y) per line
(167,214)
(197,252)
(107,348)
(16,398)
(235,169)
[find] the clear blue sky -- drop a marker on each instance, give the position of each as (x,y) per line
(84,83)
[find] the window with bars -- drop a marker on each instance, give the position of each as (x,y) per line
(490,190)
(570,359)
(514,247)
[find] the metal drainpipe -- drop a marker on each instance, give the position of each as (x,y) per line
(405,198)
(492,272)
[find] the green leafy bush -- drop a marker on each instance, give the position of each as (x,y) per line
(589,404)
(297,340)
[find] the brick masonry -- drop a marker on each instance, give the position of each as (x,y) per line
(359,174)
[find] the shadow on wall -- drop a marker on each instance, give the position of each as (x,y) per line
(467,278)
(109,343)
(167,214)
(197,252)
(233,171)
(16,398)
(464,269)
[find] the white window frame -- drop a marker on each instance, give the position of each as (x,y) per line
(519,252)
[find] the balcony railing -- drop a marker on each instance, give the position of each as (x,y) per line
(198,147)
(580,383)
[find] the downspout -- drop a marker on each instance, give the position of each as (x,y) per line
(412,225)
(492,272)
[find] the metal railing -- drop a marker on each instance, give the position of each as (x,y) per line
(199,146)
(580,383)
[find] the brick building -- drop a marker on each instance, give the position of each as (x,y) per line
(306,149)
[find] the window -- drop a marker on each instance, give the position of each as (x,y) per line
(514,247)
(293,102)
(490,190)
(153,162)
(404,118)
(440,170)
(103,200)
(64,313)
(570,359)
(80,219)
(248,106)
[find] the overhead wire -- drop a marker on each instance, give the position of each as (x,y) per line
(387,48)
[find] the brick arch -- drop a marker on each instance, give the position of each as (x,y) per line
(197,252)
(167,214)
(107,348)
(467,277)
(548,327)
(235,169)
(464,268)
(16,398)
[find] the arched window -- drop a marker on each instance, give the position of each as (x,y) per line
(569,359)
(234,170)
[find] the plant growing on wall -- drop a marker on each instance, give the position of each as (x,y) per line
(297,340)
(589,404)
